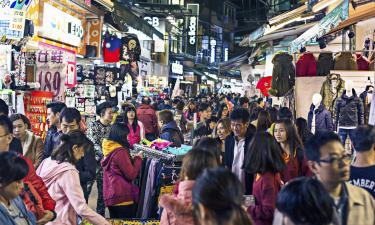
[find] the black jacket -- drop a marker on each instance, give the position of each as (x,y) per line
(229,156)
(349,111)
(172,133)
(16,146)
(323,119)
(87,167)
(51,141)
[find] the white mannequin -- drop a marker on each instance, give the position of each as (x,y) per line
(349,85)
(316,100)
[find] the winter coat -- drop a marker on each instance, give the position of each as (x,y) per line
(147,115)
(323,119)
(366,105)
(6,218)
(296,167)
(178,210)
(362,62)
(325,64)
(62,181)
(96,132)
(283,74)
(172,133)
(33,148)
(50,141)
(329,96)
(306,65)
(349,111)
(134,137)
(345,61)
(87,167)
(265,190)
(119,171)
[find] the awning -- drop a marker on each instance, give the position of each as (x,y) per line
(108,4)
(362,13)
(234,62)
(325,25)
(122,15)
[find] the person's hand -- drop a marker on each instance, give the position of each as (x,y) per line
(139,154)
(48,216)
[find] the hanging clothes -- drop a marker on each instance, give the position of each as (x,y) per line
(323,119)
(349,111)
(362,62)
(306,65)
(332,88)
(283,74)
(325,64)
(366,98)
(345,61)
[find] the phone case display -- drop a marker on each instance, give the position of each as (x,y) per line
(35,108)
(82,98)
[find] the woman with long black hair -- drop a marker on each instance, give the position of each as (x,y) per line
(136,128)
(291,145)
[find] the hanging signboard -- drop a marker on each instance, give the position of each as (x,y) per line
(329,22)
(192,29)
(56,69)
(60,26)
(12,23)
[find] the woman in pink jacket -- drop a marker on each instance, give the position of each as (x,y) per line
(178,209)
(62,180)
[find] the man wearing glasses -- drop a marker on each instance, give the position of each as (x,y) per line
(331,166)
(237,144)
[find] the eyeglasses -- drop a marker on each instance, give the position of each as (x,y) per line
(337,160)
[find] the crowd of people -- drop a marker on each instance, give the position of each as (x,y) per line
(242,149)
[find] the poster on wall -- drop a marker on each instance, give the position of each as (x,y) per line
(55,69)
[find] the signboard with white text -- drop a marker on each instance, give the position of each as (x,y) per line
(191,22)
(12,23)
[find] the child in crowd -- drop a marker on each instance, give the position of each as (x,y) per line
(265,160)
(177,209)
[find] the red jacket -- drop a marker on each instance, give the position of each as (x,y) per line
(306,65)
(362,63)
(147,115)
(265,189)
(293,168)
(38,184)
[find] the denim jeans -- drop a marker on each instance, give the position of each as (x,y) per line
(344,133)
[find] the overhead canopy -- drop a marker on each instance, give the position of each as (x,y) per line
(122,15)
(234,62)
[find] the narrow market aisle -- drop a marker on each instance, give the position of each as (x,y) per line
(92,200)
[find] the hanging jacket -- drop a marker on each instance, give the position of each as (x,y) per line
(306,65)
(323,119)
(349,111)
(362,63)
(172,133)
(178,210)
(330,93)
(6,218)
(62,181)
(283,74)
(325,64)
(119,171)
(366,105)
(345,61)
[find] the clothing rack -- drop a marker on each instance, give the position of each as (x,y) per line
(153,153)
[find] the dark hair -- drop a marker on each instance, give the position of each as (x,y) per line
(102,107)
(305,201)
(240,114)
(302,129)
(195,161)
(317,141)
(4,108)
(364,138)
(203,107)
(264,121)
(264,155)
(6,124)
(12,168)
(180,105)
(119,133)
(243,100)
(210,145)
(126,120)
(273,114)
(70,115)
(56,107)
(22,117)
(221,109)
(221,193)
(259,100)
(285,113)
(166,116)
(226,125)
(146,100)
(293,139)
(64,152)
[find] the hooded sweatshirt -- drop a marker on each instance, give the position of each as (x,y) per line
(171,132)
(178,210)
(119,170)
(62,181)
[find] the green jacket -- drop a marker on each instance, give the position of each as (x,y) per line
(330,93)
